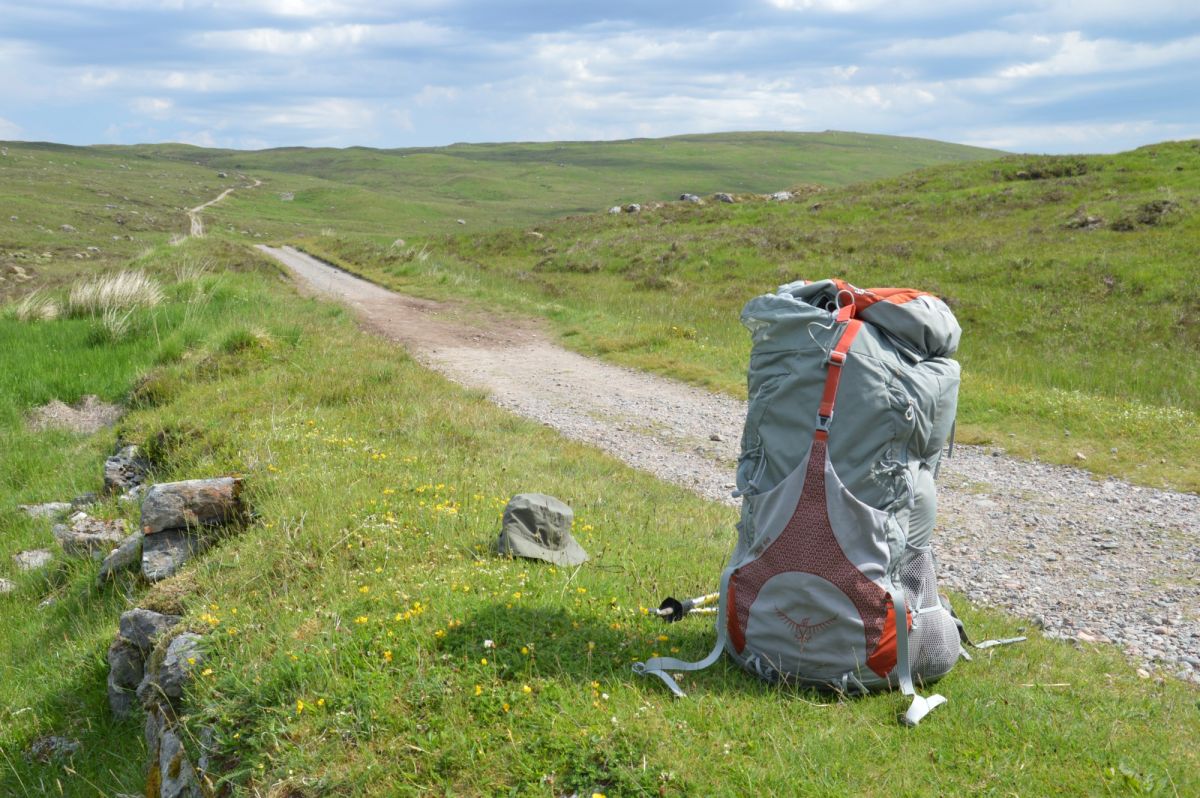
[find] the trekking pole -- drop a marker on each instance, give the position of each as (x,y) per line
(672,609)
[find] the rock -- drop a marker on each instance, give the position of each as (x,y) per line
(716,436)
(399,242)
(165,553)
(165,683)
(85,536)
(52,748)
(632,207)
(83,500)
(461,221)
(692,198)
(125,665)
(66,228)
(535,234)
(6,586)
(721,196)
(123,557)
(222,174)
(176,775)
(155,723)
(142,627)
(191,503)
(34,558)
(93,249)
(124,470)
(1080,456)
(615,209)
(780,196)
(45,510)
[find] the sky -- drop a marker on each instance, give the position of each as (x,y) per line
(1024,75)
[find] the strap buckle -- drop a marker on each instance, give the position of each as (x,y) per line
(837,357)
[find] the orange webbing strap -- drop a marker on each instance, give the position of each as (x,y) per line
(837,358)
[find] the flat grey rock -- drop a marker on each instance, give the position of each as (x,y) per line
(142,627)
(123,557)
(164,553)
(32,559)
(84,536)
(45,510)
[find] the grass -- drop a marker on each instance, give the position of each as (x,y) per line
(1081,339)
(346,627)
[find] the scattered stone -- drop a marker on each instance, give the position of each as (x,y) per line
(1080,456)
(222,175)
(34,558)
(191,503)
(165,552)
(52,748)
(45,510)
(124,470)
(780,196)
(461,221)
(124,557)
(716,436)
(167,681)
(125,671)
(6,586)
(142,627)
(94,249)
(85,536)
(83,500)
(632,207)
(287,196)
(721,196)
(535,234)
(14,219)
(66,228)
(399,242)
(177,777)
(615,209)
(692,198)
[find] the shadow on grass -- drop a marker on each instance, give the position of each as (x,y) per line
(584,648)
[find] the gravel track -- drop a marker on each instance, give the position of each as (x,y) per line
(1091,561)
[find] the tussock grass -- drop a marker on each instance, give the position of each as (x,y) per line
(112,296)
(35,306)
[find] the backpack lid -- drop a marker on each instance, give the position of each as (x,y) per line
(920,324)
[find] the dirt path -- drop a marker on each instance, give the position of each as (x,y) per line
(197,228)
(1087,560)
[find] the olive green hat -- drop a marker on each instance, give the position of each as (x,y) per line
(539,526)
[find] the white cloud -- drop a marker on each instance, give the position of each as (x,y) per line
(1077,137)
(337,40)
(152,106)
(329,114)
(1077,55)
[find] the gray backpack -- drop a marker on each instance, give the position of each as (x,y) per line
(852,397)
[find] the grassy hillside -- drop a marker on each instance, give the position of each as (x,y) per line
(1073,278)
(490,185)
(346,626)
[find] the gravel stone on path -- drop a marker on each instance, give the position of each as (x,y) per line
(1087,560)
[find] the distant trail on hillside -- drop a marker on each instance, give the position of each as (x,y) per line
(1088,560)
(197,227)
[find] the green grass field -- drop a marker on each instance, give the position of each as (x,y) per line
(1076,341)
(346,624)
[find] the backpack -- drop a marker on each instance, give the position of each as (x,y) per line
(852,395)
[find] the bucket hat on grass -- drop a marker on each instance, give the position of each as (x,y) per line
(539,526)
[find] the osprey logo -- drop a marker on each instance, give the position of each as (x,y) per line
(804,631)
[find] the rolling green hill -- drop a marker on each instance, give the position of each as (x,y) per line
(1073,278)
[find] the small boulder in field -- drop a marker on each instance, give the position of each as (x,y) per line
(84,536)
(191,503)
(32,559)
(6,586)
(125,470)
(721,196)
